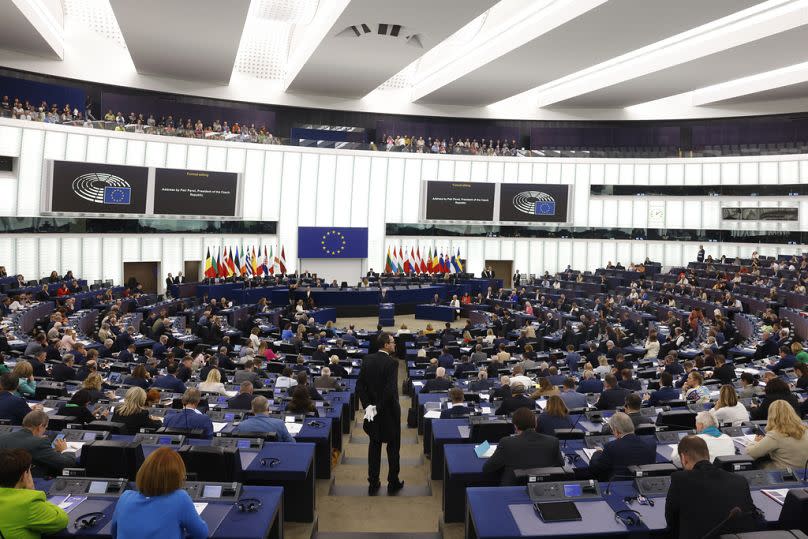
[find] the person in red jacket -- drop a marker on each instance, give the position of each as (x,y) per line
(63,290)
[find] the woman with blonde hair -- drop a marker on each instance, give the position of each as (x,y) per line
(799,352)
(489,336)
(213,383)
(652,345)
(467,338)
(603,369)
(786,439)
(24,371)
(68,340)
(93,384)
(728,409)
(133,412)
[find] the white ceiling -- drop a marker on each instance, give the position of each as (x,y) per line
(531,59)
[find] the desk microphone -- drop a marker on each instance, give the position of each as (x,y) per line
(805,471)
(575,424)
(734,512)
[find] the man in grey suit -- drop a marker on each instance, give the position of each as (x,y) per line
(47,460)
(526,449)
(248,374)
(478,356)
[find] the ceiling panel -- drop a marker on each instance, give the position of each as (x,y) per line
(347,65)
(609,30)
(792,91)
(183,39)
(19,33)
(776,51)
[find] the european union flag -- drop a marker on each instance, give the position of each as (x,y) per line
(117,195)
(332,242)
(545,207)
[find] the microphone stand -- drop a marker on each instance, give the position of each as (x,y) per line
(734,512)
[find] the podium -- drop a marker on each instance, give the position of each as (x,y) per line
(387,313)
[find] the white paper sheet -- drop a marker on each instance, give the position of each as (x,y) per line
(294,428)
(217,427)
(199,506)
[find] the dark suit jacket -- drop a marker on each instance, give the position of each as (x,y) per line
(528,449)
(663,394)
(436,384)
(46,461)
(455,412)
(549,423)
(700,498)
(612,398)
(13,408)
(135,422)
(511,404)
(617,455)
(61,372)
(242,401)
(378,385)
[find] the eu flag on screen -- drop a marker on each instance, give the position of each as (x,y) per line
(545,207)
(117,195)
(332,242)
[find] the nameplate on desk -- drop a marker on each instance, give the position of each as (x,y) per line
(464,431)
(294,428)
(432,414)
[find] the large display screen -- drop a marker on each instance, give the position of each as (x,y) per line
(97,188)
(464,201)
(533,203)
(194,192)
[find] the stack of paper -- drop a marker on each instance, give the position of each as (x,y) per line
(432,414)
(294,428)
(217,427)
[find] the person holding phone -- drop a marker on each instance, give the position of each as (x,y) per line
(24,511)
(48,460)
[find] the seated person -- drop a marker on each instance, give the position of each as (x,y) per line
(633,409)
(285,380)
(612,396)
(336,369)
(159,506)
(446,359)
(695,390)
(24,510)
(439,383)
(526,449)
(555,416)
(484,383)
(242,401)
(728,410)
(628,382)
(723,372)
(504,389)
(748,387)
(64,371)
(718,443)
(518,376)
(626,450)
(665,393)
(12,407)
(261,422)
(517,400)
(702,495)
(776,389)
(786,439)
(170,380)
(24,371)
(571,398)
(303,381)
(133,412)
(248,374)
(140,377)
(213,383)
(302,403)
(78,407)
(590,384)
(190,418)
(48,460)
(465,367)
(457,405)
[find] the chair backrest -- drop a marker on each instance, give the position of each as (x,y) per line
(677,419)
(108,426)
(795,511)
(492,431)
(212,463)
(112,458)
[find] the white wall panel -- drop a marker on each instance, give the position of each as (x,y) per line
(462,170)
(521,256)
(131,248)
(91,259)
(479,171)
(411,194)
(97,149)
(711,173)
(307,190)
(611,174)
(730,173)
(326,181)
(8,257)
(376,208)
(151,249)
(525,173)
(769,172)
(625,213)
(111,259)
(789,172)
(540,173)
(595,213)
(579,255)
(749,173)
(155,154)
(675,174)
(343,186)
(475,263)
(693,214)
(177,155)
(511,173)
(497,170)
(610,212)
(597,173)
(640,211)
(594,255)
(673,254)
(536,257)
(197,157)
(506,249)
(76,147)
(28,257)
(8,202)
(580,195)
(492,250)
(172,257)
(54,144)
(641,173)
(216,158)
(70,256)
(553,173)
(50,252)
(803,171)
(658,174)
(192,248)
(116,151)
(253,185)
(693,174)
(674,214)
(639,250)
(395,187)
(445,168)
(624,252)
(551,261)
(360,202)
(626,176)
(272,181)
(287,222)
(30,172)
(235,159)
(655,251)
(608,252)
(564,254)
(135,152)
(10,141)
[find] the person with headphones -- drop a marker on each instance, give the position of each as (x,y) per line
(24,511)
(190,418)
(159,507)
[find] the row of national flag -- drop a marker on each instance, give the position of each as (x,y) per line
(249,262)
(400,260)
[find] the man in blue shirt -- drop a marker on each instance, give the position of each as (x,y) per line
(261,422)
(190,418)
(572,398)
(170,380)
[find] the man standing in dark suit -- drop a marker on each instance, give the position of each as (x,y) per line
(488,273)
(377,388)
(700,254)
(703,495)
(626,450)
(527,449)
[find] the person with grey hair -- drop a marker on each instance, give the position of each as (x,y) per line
(627,449)
(482,383)
(47,459)
(261,422)
(439,383)
(718,443)
(324,381)
(478,356)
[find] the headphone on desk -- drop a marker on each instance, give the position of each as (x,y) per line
(317,424)
(628,517)
(270,461)
(88,520)
(248,505)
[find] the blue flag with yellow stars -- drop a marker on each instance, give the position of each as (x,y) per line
(332,242)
